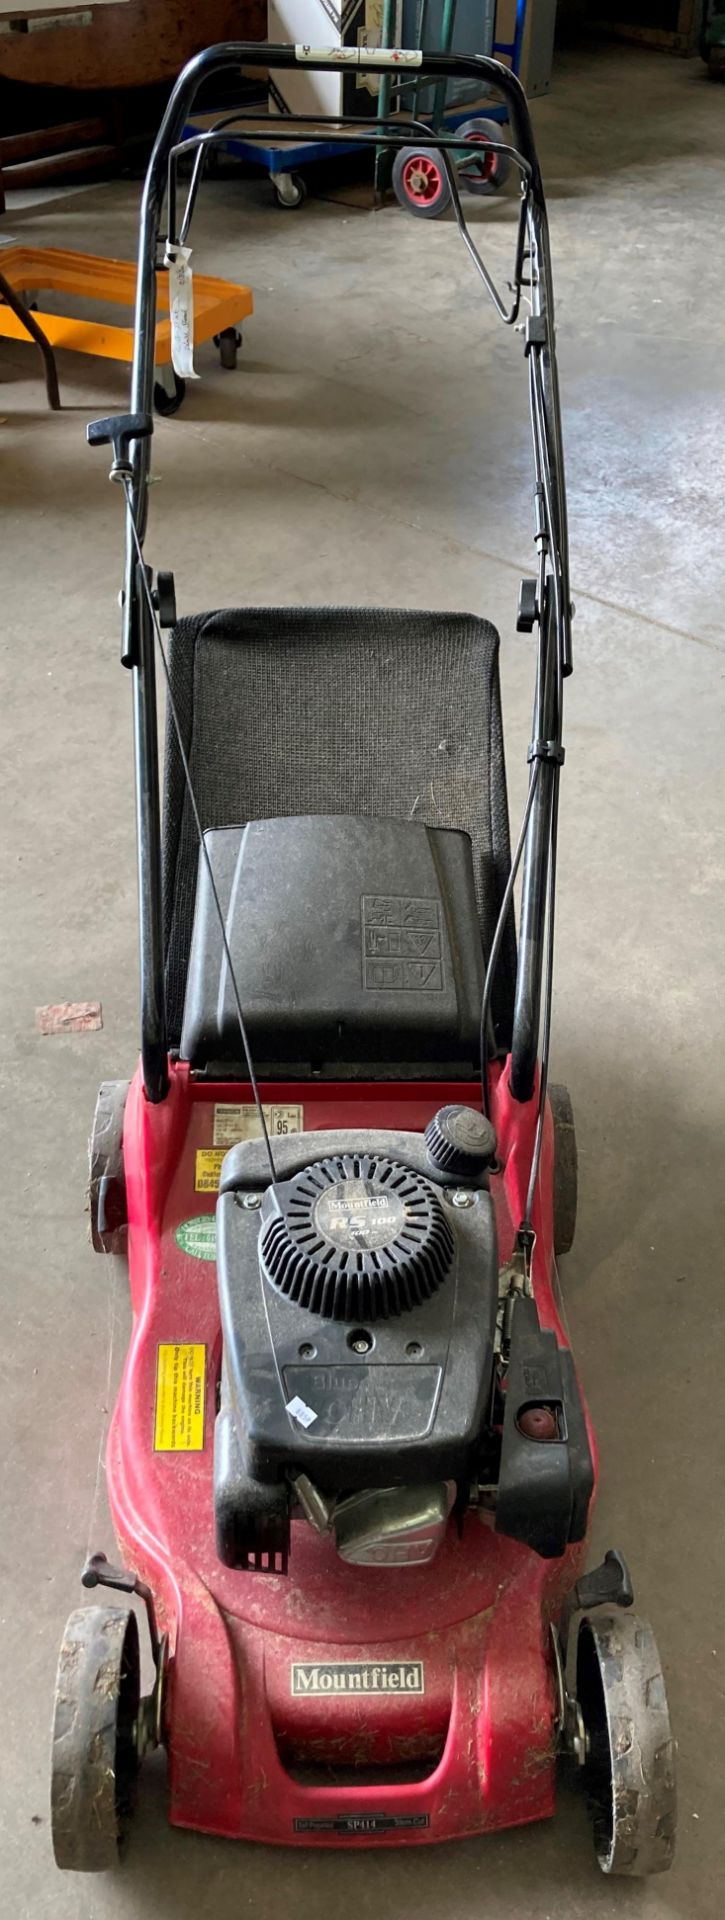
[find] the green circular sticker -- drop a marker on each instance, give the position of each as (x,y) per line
(198,1236)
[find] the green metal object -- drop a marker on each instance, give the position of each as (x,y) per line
(384,159)
(447,26)
(420,85)
(712,33)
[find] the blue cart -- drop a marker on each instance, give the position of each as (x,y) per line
(255,144)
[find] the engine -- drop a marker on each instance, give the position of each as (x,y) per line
(359,1297)
(379,1374)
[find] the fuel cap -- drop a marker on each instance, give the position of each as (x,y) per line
(460,1141)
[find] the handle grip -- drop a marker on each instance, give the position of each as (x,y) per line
(117,430)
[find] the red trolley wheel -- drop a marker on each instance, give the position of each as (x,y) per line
(485,172)
(420,182)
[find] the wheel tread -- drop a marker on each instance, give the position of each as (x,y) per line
(99,1656)
(634,1829)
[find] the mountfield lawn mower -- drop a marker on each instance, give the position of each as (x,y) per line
(351,1468)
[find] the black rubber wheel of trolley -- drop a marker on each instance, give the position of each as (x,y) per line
(486,172)
(228,343)
(566,1178)
(291,195)
(168,403)
(94,1759)
(420,182)
(629,1770)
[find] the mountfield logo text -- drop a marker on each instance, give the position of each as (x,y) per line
(353,1676)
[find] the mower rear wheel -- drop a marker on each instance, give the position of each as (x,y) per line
(629,1770)
(95,1729)
(565,1169)
(106,1180)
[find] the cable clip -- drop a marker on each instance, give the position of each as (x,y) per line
(551,750)
(536,331)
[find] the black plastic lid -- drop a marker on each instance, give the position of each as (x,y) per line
(461,1141)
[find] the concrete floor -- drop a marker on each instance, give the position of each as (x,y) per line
(373,446)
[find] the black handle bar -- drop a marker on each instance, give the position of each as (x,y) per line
(231,54)
(138,635)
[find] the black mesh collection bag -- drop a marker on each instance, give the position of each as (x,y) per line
(336,710)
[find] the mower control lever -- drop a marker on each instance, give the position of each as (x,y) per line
(528,612)
(98,1572)
(608,1585)
(117,430)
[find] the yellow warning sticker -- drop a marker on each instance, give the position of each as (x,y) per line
(180,1378)
(208,1169)
(235,1123)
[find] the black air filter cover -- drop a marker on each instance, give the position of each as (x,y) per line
(355,1238)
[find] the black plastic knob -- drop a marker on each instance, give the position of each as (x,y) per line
(461,1141)
(528,612)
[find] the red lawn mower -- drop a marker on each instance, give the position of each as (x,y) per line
(351,1468)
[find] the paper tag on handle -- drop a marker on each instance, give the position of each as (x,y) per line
(358,56)
(181,309)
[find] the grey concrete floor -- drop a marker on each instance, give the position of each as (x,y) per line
(373,446)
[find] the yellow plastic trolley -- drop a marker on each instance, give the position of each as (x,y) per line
(219,308)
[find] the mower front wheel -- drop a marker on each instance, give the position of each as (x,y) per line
(95,1738)
(629,1769)
(566,1177)
(420,182)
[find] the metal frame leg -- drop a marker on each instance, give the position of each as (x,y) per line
(28,320)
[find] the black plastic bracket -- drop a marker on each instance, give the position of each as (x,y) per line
(540,528)
(528,610)
(164,599)
(525,1242)
(535,331)
(547,750)
(117,430)
(609,1585)
(545,1480)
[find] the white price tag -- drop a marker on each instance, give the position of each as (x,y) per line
(181,309)
(300,1412)
(234,1123)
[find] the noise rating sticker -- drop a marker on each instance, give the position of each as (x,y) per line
(232,1124)
(179,1419)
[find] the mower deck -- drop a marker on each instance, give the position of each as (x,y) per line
(437,1690)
